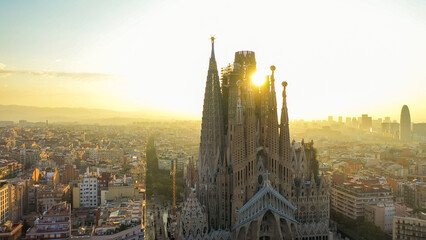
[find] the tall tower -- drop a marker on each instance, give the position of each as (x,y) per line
(405,125)
(253,182)
(211,142)
(285,149)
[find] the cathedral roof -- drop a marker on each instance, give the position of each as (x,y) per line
(268,199)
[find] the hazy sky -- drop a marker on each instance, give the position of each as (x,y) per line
(339,57)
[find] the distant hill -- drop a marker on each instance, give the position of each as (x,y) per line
(85,115)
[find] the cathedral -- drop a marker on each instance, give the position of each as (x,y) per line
(253,182)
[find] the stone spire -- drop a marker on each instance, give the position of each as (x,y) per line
(273,144)
(213,64)
(212,139)
(272,137)
(285,149)
(284,128)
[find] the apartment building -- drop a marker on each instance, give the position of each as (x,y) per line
(54,224)
(409,228)
(381,214)
(4,201)
(86,194)
(350,198)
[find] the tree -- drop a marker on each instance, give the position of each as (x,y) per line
(315,164)
(357,229)
(151,155)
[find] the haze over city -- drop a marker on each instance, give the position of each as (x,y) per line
(341,58)
(213,120)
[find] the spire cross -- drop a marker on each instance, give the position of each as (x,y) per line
(213,64)
(284,86)
(272,75)
(266,174)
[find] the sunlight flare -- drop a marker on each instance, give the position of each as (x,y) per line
(257,79)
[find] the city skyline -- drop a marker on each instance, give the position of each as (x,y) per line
(215,120)
(357,57)
(17,113)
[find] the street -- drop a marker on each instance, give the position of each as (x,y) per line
(157,223)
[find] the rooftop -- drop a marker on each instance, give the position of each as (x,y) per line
(9,228)
(4,162)
(363,187)
(60,209)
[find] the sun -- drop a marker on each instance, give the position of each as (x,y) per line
(257,79)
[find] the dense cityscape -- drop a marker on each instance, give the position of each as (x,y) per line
(213,120)
(145,180)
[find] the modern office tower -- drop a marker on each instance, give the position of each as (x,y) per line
(348,121)
(355,122)
(390,129)
(254,182)
(405,125)
(22,122)
(419,132)
(366,122)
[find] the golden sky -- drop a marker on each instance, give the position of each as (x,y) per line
(339,57)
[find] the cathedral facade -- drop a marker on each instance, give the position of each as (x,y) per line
(253,181)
